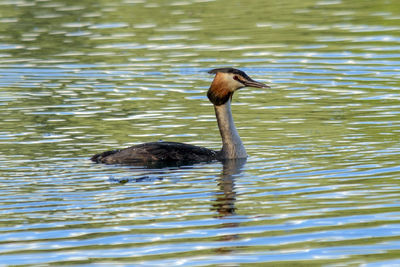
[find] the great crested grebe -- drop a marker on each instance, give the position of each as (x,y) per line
(225,83)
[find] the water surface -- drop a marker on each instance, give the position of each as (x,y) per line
(320,186)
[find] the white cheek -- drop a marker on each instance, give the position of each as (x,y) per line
(239,85)
(233,84)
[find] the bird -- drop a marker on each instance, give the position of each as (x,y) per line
(162,153)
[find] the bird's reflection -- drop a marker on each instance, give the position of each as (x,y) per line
(225,200)
(226,196)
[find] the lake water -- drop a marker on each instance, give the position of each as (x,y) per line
(320,186)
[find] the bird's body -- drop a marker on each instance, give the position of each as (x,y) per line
(167,153)
(225,83)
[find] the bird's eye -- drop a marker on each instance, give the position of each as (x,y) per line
(236,78)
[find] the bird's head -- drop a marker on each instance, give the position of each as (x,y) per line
(226,82)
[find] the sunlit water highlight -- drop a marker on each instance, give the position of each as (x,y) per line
(321,184)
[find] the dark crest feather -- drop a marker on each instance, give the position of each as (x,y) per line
(230,70)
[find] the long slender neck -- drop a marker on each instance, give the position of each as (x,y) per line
(232,146)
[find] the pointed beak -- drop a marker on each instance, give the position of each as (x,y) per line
(255,84)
